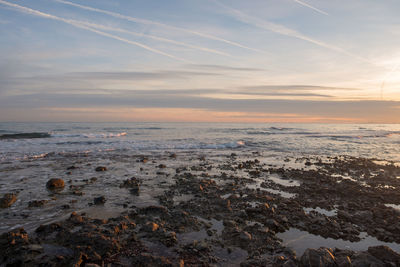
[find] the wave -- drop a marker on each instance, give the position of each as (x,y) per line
(24,136)
(91,135)
(281,128)
(279,133)
(236,144)
(79,143)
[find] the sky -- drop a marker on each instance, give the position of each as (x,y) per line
(313,61)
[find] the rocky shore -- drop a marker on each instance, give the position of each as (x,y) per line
(230,210)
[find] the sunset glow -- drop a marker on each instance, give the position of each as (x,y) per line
(215,61)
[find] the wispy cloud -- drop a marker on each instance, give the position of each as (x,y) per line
(154,37)
(365,111)
(310,6)
(283,30)
(155,23)
(263,88)
(388,75)
(222,68)
(122,75)
(76,24)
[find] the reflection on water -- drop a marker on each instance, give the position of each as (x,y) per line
(257,186)
(299,241)
(394,206)
(285,182)
(322,211)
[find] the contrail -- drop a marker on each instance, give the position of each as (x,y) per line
(159,24)
(283,30)
(34,12)
(395,68)
(154,37)
(309,6)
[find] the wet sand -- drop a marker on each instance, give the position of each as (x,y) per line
(197,208)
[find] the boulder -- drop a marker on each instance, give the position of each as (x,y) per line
(55,184)
(99,200)
(7,200)
(362,259)
(101,169)
(37,203)
(384,253)
(322,257)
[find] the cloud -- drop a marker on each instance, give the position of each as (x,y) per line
(262,88)
(361,110)
(387,76)
(121,75)
(283,30)
(222,68)
(154,37)
(77,24)
(309,6)
(155,23)
(278,94)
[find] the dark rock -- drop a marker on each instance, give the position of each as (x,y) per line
(384,253)
(37,203)
(71,168)
(289,263)
(101,169)
(362,259)
(7,200)
(133,184)
(75,218)
(344,261)
(25,136)
(55,185)
(318,258)
(10,247)
(146,259)
(150,227)
(99,200)
(130,183)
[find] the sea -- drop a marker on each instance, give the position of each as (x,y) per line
(378,141)
(33,153)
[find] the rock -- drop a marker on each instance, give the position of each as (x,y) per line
(71,168)
(25,136)
(245,236)
(362,259)
(37,203)
(99,200)
(7,200)
(151,227)
(344,215)
(318,258)
(101,169)
(162,166)
(170,239)
(75,218)
(289,263)
(55,184)
(344,261)
(133,184)
(146,259)
(384,253)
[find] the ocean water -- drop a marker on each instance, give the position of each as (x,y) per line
(26,164)
(381,141)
